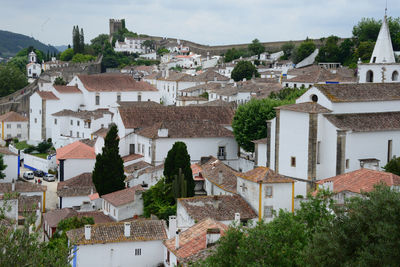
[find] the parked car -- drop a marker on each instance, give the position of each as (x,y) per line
(28,175)
(38,173)
(49,177)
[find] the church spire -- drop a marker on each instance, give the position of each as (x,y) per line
(383,50)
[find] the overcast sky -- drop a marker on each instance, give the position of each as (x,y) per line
(206,21)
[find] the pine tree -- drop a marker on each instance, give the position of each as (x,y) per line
(108,174)
(178,161)
(2,167)
(76,39)
(81,42)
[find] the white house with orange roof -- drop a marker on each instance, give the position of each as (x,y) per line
(75,159)
(13,125)
(353,183)
(187,246)
(266,191)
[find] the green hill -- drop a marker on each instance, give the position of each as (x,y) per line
(11,43)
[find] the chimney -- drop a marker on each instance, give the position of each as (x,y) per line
(127,229)
(237,218)
(212,236)
(88,230)
(220,177)
(13,185)
(172,226)
(177,239)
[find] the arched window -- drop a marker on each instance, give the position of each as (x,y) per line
(395,76)
(370,76)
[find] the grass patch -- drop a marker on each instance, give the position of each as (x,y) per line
(21,145)
(40,155)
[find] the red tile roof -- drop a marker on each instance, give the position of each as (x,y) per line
(211,169)
(131,157)
(67,89)
(47,95)
(22,187)
(80,185)
(361,180)
(12,116)
(264,175)
(123,196)
(113,83)
(76,150)
(193,239)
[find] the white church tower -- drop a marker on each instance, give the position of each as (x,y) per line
(32,57)
(382,67)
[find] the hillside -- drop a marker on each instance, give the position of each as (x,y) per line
(11,43)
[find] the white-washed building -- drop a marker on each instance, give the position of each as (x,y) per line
(13,125)
(74,192)
(12,170)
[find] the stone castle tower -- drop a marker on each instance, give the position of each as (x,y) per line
(115,25)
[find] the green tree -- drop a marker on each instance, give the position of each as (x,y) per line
(234,53)
(256,47)
(149,44)
(2,167)
(108,174)
(11,79)
(244,69)
(287,49)
(249,122)
(364,50)
(178,161)
(366,30)
(330,51)
(81,42)
(98,42)
(59,81)
(159,200)
(161,51)
(77,58)
(304,50)
(67,55)
(393,166)
(365,232)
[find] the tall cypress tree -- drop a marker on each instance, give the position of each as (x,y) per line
(81,42)
(76,39)
(108,174)
(176,163)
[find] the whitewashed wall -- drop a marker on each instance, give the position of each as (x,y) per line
(74,167)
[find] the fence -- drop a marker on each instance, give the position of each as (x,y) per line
(35,163)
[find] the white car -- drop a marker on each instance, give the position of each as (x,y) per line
(49,177)
(28,175)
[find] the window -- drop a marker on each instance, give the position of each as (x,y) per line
(70,133)
(35,120)
(395,76)
(31,110)
(347,163)
(373,59)
(77,134)
(72,122)
(8,126)
(139,97)
(286,85)
(268,211)
(221,153)
(77,123)
(131,148)
(268,191)
(118,97)
(83,135)
(18,126)
(55,121)
(139,146)
(389,151)
(40,111)
(295,85)
(370,76)
(97,99)
(143,149)
(138,251)
(318,152)
(314,98)
(149,152)
(293,161)
(18,135)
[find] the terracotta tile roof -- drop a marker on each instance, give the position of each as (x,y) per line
(361,180)
(141,230)
(191,98)
(94,196)
(217,103)
(219,208)
(360,92)
(122,197)
(98,216)
(210,76)
(151,169)
(67,89)
(82,114)
(53,217)
(196,168)
(175,76)
(6,151)
(22,187)
(153,76)
(260,141)
(136,166)
(47,95)
(211,169)
(28,203)
(139,117)
(12,116)
(89,142)
(131,157)
(204,87)
(193,240)
(186,129)
(76,150)
(113,83)
(80,185)
(102,132)
(127,104)
(307,107)
(264,175)
(319,74)
(366,122)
